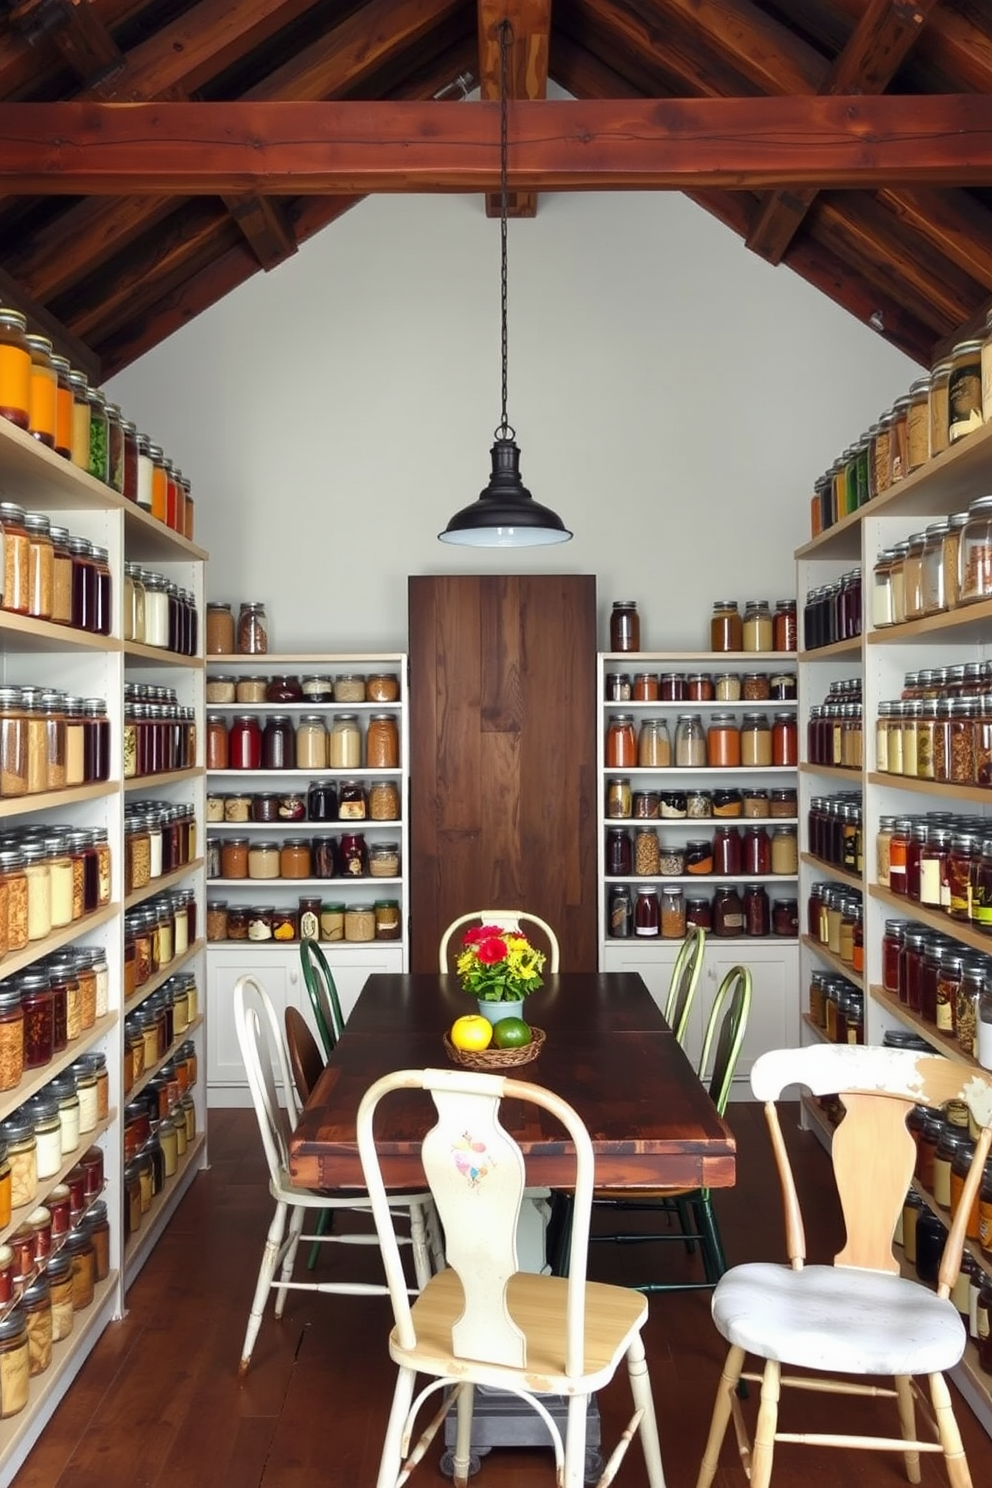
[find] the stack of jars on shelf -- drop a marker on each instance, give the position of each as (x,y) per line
(753,741)
(46,1008)
(158,613)
(835,919)
(940,729)
(695,803)
(834,830)
(248,637)
(940,980)
(323,801)
(945,1144)
(834,727)
(735,910)
(755,850)
(159,838)
(375,687)
(939,409)
(277,743)
(832,612)
(697,687)
(348,856)
(315,919)
(159,1026)
(155,934)
(50,574)
(757,630)
(50,740)
(49,1265)
(160,1122)
(837,1008)
(50,877)
(54,403)
(159,733)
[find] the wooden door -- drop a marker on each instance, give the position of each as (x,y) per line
(503,755)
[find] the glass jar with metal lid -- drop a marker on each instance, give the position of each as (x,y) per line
(43,391)
(18,1134)
(918,424)
(15,368)
(932,568)
(14,1357)
(318,689)
(758,627)
(11,1036)
(975,552)
(345,742)
(964,389)
(756,741)
(253,629)
(41,565)
(382,742)
(16,579)
(311,742)
(725,626)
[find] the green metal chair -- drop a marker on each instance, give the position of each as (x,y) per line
(685,979)
(323,994)
(724,1037)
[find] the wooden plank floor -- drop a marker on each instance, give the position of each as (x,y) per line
(159,1403)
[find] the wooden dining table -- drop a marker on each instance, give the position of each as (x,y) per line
(608,1051)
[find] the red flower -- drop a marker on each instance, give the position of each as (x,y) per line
(491,950)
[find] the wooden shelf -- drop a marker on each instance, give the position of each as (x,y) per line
(834,651)
(943,1043)
(43,635)
(843,968)
(163,883)
(149,1074)
(167,777)
(934,918)
(48,800)
(139,1246)
(35,949)
(159,656)
(967,623)
(69,1161)
(142,993)
(832,772)
(36,1079)
(973,795)
(842,875)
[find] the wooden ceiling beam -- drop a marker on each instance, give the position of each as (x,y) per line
(954,223)
(773,57)
(954,44)
(671,144)
(77,33)
(883,38)
(527,71)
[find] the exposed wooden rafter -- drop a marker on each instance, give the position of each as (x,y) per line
(77,31)
(670,144)
(879,44)
(527,71)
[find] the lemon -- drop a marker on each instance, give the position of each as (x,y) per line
(471,1032)
(511,1033)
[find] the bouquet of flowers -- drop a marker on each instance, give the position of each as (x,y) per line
(498,965)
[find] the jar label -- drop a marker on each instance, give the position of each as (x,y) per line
(309,925)
(14,1380)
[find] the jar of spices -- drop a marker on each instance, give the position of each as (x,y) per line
(723,741)
(219,630)
(234,857)
(382,742)
(384,801)
(728,911)
(964,389)
(727,687)
(311,742)
(654,747)
(725,626)
(217,746)
(756,742)
(345,743)
(625,626)
(645,687)
(359,922)
(758,629)
(621,742)
(618,688)
(690,742)
(784,626)
(253,630)
(11,1036)
(251,689)
(284,924)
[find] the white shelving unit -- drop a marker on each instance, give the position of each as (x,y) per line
(37,652)
(772,959)
(882,657)
(279,963)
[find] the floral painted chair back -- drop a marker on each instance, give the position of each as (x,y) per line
(506,919)
(476,1174)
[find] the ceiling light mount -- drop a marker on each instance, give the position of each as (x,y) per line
(505,515)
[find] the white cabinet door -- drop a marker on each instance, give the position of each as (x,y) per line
(774,1018)
(279,973)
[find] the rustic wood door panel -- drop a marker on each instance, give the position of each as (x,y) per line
(503,755)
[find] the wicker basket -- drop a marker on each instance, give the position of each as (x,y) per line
(494,1061)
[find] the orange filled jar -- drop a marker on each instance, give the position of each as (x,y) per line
(723,742)
(63,407)
(382,743)
(15,368)
(160,483)
(44,391)
(621,740)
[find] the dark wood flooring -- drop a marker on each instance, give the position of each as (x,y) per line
(158,1403)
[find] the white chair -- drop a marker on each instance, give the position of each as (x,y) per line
(261,1042)
(483,1321)
(858,1316)
(505,919)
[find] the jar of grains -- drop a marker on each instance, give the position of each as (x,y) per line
(359,922)
(382,743)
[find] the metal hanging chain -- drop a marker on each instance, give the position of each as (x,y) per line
(505,430)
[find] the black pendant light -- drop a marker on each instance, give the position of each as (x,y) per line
(505,514)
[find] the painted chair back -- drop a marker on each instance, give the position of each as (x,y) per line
(685,979)
(506,919)
(323,994)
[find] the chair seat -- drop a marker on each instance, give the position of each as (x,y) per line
(839,1319)
(613,1316)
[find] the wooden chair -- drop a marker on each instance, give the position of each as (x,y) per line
(482,1321)
(722,1043)
(264,1055)
(305,1059)
(858,1316)
(685,979)
(323,994)
(506,919)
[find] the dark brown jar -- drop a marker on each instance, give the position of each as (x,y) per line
(279,743)
(625,626)
(727,911)
(757,913)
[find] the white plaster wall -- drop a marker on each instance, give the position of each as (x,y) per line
(674,398)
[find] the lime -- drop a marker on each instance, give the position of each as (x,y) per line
(511,1033)
(471,1032)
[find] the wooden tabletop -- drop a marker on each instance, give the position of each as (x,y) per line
(609,1053)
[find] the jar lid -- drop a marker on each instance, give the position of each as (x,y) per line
(15,1321)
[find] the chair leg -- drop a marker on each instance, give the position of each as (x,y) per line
(907,1424)
(714,1259)
(391,1461)
(640,1389)
(323,1225)
(296,1218)
(722,1406)
(950,1437)
(418,1239)
(464,1407)
(266,1272)
(575,1442)
(764,1431)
